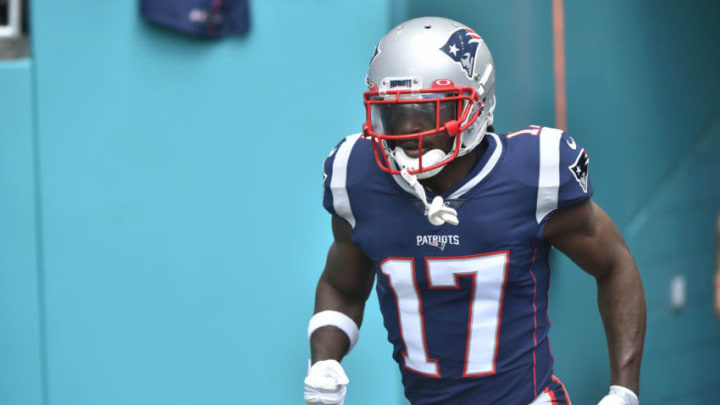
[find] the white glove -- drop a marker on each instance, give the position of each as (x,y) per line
(619,396)
(326,383)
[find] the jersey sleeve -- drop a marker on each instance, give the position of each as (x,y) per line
(327,197)
(336,198)
(563,177)
(575,185)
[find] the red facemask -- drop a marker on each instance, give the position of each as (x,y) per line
(442,109)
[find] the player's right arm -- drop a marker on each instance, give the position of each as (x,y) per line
(344,286)
(340,298)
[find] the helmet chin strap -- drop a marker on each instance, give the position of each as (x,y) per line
(436,212)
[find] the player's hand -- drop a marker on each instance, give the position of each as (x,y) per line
(326,383)
(619,396)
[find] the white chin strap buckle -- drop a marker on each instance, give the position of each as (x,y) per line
(436,212)
(439,214)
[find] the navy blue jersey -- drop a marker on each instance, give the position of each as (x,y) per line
(465,306)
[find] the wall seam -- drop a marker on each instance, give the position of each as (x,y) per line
(39,243)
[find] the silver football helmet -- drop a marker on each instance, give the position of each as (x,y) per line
(437,73)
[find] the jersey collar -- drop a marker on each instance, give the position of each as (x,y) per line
(481,170)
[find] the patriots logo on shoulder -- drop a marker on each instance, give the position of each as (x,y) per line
(579,169)
(462,48)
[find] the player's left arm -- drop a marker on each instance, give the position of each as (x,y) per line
(586,234)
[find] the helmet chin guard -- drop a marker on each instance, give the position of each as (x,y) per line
(431,158)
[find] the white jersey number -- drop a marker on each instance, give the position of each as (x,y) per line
(488,272)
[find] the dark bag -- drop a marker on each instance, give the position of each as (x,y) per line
(199,18)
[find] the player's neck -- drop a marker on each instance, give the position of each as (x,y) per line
(455,172)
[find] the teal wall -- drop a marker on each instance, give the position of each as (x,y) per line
(642,85)
(162,228)
(180,221)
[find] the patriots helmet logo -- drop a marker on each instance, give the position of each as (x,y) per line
(462,48)
(375,54)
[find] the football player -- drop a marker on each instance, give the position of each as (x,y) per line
(454,224)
